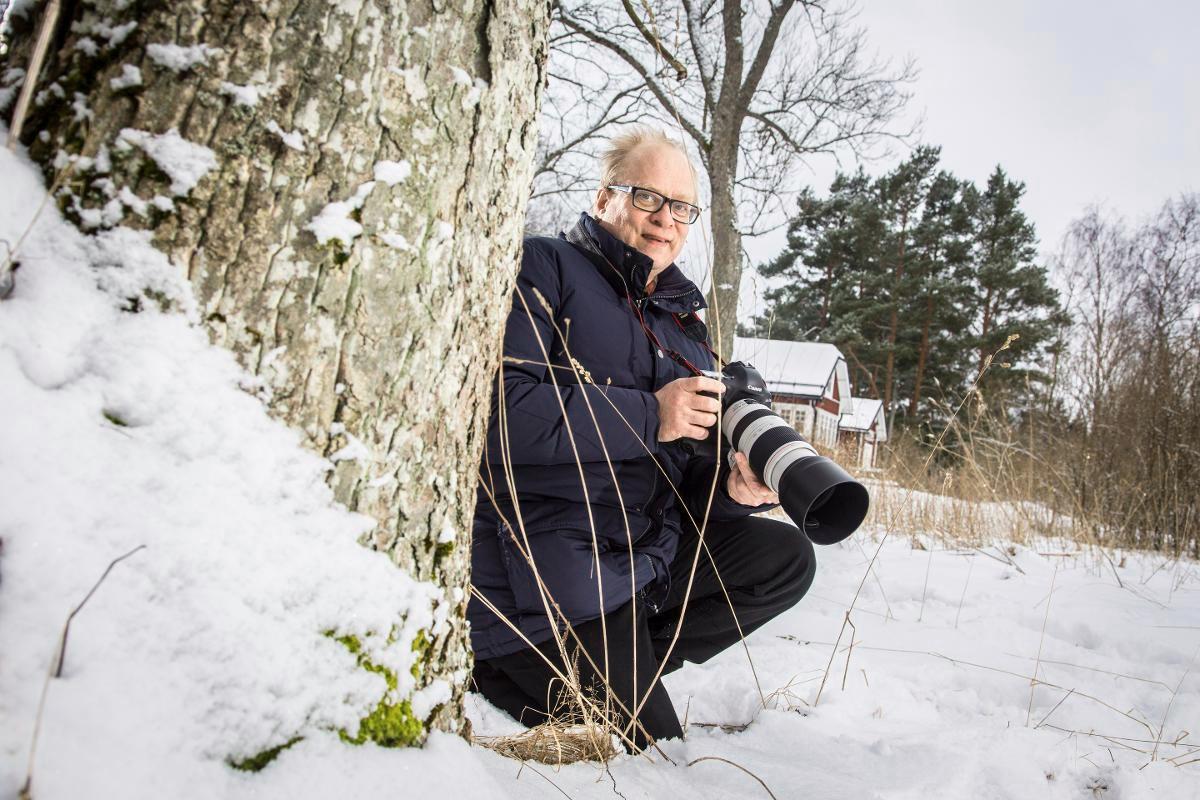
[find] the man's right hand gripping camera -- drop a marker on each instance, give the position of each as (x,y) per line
(820,497)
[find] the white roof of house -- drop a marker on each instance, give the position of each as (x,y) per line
(861,413)
(802,368)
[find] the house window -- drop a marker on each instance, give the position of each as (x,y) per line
(800,419)
(826,433)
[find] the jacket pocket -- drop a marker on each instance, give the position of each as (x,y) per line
(521,577)
(579,579)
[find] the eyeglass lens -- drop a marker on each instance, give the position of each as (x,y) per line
(652,201)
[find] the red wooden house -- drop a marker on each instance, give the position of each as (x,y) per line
(863,427)
(808,382)
(810,388)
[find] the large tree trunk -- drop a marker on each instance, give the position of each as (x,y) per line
(418,119)
(727,256)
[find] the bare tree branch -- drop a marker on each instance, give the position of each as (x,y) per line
(704,67)
(762,57)
(681,71)
(547,162)
(657,90)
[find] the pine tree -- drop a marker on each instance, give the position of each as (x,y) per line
(833,252)
(1011,293)
(941,289)
(903,192)
(917,276)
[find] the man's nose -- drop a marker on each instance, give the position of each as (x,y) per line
(663,217)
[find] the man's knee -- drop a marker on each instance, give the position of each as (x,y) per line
(782,546)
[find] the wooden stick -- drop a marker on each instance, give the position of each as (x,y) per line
(49,21)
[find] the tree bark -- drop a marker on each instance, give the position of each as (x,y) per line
(418,117)
(894,321)
(922,355)
(985,329)
(727,253)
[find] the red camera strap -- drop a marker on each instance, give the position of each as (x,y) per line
(675,356)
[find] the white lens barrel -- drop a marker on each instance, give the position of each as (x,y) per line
(733,415)
(757,428)
(783,458)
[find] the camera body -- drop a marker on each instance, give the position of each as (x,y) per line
(820,497)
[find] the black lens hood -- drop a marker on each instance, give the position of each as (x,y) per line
(823,499)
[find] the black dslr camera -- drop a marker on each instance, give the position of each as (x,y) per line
(819,496)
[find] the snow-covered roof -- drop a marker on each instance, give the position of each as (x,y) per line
(802,368)
(860,413)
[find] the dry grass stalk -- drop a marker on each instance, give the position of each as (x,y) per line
(1123,742)
(962,599)
(761,782)
(1042,721)
(724,727)
(972,391)
(56,671)
(9,265)
(1171,702)
(1033,682)
(849,651)
(925,586)
(999,670)
(784,697)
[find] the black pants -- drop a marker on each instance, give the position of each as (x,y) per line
(766,567)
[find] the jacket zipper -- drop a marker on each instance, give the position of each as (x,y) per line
(664,297)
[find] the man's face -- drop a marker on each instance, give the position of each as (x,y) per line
(660,236)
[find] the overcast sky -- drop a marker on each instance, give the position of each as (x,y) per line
(1093,102)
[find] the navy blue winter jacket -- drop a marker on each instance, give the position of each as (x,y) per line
(573,448)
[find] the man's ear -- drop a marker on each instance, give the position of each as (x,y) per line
(601,201)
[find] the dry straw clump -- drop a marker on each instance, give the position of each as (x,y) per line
(555,743)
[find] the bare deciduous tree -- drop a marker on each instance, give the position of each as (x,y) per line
(1135,467)
(1096,264)
(756,87)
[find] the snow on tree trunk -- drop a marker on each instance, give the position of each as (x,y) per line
(344,184)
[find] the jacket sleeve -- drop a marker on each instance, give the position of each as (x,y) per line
(538,419)
(697,483)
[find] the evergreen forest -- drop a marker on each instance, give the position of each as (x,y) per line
(919,277)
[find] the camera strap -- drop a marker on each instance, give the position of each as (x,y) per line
(694,328)
(692,324)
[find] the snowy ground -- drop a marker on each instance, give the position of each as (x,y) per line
(127,429)
(937,695)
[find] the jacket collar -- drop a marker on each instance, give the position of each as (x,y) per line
(627,269)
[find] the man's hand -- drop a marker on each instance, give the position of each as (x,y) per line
(684,412)
(744,486)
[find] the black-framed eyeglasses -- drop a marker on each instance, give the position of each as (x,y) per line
(651,201)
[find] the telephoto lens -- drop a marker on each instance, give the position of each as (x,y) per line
(820,497)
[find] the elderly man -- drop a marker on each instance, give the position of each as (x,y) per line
(591,502)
